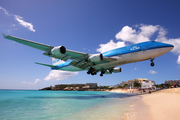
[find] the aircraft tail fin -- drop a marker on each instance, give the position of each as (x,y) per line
(52,66)
(56,61)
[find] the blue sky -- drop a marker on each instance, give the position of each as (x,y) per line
(87,26)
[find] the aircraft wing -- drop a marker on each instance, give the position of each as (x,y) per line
(29,43)
(74,55)
(79,58)
(68,55)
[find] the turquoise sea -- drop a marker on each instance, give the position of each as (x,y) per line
(63,105)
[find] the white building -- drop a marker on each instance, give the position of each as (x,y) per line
(149,84)
(86,87)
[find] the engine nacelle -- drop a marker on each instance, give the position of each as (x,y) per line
(58,50)
(96,58)
(116,70)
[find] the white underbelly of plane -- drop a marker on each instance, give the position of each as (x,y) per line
(136,57)
(147,54)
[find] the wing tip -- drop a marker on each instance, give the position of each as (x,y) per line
(4,35)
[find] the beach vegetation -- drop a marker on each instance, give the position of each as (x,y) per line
(136,84)
(162,85)
(125,85)
(119,87)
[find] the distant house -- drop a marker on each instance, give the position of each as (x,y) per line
(142,81)
(76,88)
(86,87)
(148,84)
(77,85)
(171,82)
(67,88)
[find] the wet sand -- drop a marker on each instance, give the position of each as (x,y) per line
(159,105)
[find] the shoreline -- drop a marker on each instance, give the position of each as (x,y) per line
(159,105)
(132,91)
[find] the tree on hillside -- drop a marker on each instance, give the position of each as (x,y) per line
(120,87)
(136,84)
(162,85)
(125,85)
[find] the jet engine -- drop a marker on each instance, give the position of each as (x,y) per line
(116,70)
(58,50)
(96,58)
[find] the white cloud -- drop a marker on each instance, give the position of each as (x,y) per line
(23,23)
(5,11)
(32,83)
(20,20)
(126,34)
(26,82)
(59,75)
(110,45)
(36,81)
(142,34)
(178,60)
(134,69)
(152,72)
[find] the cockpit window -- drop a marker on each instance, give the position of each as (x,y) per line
(153,41)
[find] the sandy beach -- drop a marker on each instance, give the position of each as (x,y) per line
(159,105)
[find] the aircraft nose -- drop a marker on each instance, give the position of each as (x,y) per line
(169,45)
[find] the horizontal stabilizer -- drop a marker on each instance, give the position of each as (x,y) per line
(53,66)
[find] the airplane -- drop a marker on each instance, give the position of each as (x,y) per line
(106,62)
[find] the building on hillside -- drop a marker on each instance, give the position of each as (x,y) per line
(86,87)
(77,85)
(142,81)
(129,83)
(115,86)
(148,84)
(123,83)
(172,82)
